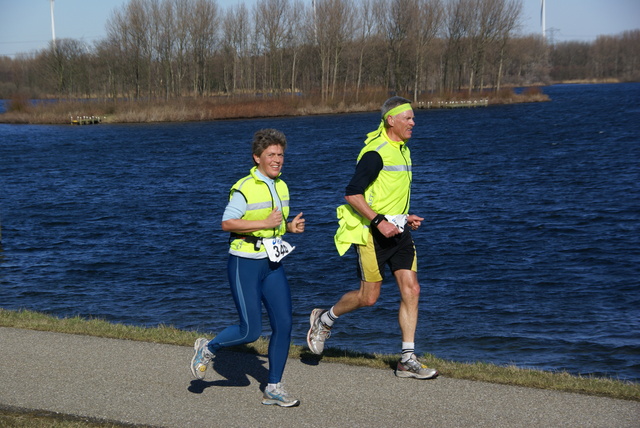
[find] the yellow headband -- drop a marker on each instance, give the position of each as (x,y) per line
(397,110)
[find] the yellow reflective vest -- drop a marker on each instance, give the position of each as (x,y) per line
(388,194)
(260,203)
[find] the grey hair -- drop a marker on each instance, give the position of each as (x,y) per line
(392,103)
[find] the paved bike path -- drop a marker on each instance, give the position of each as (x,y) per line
(150,384)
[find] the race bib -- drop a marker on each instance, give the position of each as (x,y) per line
(398,221)
(277,248)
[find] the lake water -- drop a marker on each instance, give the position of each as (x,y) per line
(529,253)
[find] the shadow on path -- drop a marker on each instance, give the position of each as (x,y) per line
(235,368)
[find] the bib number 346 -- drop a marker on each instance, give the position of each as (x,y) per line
(277,248)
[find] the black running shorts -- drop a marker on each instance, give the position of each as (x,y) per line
(399,252)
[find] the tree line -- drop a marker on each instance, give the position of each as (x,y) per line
(332,48)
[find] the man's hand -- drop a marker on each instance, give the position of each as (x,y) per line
(388,229)
(414,221)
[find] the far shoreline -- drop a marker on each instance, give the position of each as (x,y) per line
(90,111)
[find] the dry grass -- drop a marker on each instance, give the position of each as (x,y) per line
(532,94)
(177,110)
(21,111)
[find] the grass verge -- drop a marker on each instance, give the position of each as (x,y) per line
(506,375)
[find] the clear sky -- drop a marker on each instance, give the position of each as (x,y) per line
(25,25)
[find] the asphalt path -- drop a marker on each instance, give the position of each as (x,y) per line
(150,384)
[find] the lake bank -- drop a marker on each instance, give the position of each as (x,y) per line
(23,111)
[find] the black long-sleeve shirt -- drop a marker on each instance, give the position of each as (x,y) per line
(367,170)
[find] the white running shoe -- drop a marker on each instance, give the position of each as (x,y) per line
(201,358)
(414,368)
(280,397)
(318,333)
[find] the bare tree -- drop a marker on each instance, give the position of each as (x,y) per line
(203,32)
(106,68)
(429,15)
(456,27)
(129,29)
(399,22)
(117,46)
(528,60)
(181,43)
(164,24)
(570,60)
(366,28)
(630,56)
(296,37)
(333,29)
(322,37)
(272,24)
(235,43)
(481,26)
(139,38)
(66,68)
(507,26)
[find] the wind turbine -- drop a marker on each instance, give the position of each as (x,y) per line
(53,27)
(315,21)
(542,19)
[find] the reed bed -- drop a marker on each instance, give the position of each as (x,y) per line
(64,111)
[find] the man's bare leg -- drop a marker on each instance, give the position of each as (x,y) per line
(409,297)
(367,295)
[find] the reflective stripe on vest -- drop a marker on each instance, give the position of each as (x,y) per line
(260,203)
(390,191)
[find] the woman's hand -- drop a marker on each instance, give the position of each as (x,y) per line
(274,220)
(296,225)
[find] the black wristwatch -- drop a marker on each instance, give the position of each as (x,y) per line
(377,219)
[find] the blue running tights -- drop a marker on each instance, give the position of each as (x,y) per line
(253,282)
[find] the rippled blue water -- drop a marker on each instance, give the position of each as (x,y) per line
(529,254)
